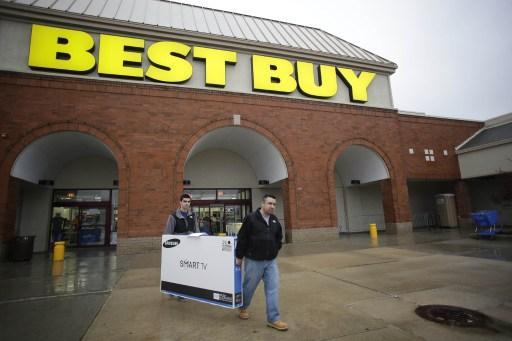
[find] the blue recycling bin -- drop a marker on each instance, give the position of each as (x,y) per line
(485,222)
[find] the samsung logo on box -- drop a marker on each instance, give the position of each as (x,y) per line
(171,243)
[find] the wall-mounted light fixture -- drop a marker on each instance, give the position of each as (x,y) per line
(355,182)
(186,182)
(115,183)
(263,182)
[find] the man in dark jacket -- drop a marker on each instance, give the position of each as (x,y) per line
(259,241)
(183,221)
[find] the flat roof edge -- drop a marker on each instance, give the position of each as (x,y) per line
(424,115)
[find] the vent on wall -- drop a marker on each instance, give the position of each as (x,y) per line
(263,182)
(429,155)
(186,182)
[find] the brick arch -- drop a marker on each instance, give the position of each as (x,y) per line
(336,153)
(16,148)
(179,163)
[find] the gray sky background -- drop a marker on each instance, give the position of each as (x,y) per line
(454,56)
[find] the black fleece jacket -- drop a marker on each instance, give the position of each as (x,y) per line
(257,240)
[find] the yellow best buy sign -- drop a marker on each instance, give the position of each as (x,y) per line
(68,50)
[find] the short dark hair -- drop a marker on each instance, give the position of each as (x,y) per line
(185,196)
(268,196)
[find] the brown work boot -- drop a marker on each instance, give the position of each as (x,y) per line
(279,325)
(243,314)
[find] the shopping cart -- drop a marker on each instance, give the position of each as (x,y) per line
(485,223)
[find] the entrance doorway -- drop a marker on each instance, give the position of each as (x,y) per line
(358,175)
(228,170)
(82,218)
(72,163)
(220,210)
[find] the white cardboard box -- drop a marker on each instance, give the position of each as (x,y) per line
(201,268)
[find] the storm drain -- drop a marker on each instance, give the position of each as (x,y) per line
(453,316)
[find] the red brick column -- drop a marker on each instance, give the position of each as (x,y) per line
(11,195)
(9,198)
(463,202)
(507,186)
(285,189)
(12,204)
(395,202)
(5,230)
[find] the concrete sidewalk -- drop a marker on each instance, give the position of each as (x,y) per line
(341,289)
(338,290)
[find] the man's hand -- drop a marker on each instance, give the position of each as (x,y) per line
(238,261)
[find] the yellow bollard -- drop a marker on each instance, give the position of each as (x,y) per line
(373,235)
(57,268)
(373,231)
(58,251)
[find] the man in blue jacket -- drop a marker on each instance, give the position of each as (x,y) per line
(259,241)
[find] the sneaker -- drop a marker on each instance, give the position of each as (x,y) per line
(279,325)
(243,314)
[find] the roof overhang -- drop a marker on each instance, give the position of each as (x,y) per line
(29,13)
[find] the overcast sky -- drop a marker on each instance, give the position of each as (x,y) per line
(454,56)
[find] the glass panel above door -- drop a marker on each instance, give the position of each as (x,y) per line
(82,195)
(229,194)
(202,194)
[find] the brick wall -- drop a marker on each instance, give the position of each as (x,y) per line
(438,134)
(151,128)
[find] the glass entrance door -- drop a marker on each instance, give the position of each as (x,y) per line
(64,225)
(83,217)
(233,217)
(221,210)
(217,219)
(80,226)
(220,218)
(93,223)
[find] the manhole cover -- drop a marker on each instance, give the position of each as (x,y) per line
(454,316)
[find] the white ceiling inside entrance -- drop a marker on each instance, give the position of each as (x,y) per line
(45,157)
(360,163)
(264,158)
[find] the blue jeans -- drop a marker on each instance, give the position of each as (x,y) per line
(254,272)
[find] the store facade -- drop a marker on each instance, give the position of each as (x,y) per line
(145,103)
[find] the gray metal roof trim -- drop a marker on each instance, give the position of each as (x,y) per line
(379,58)
(483,146)
(365,57)
(489,137)
(414,114)
(157,32)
